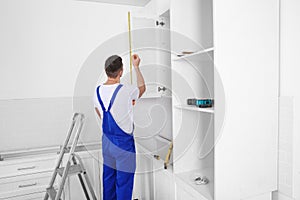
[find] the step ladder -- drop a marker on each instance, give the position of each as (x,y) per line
(74,165)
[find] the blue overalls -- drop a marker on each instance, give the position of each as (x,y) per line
(119,159)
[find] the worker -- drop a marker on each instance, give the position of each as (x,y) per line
(114,105)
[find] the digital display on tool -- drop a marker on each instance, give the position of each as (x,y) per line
(202,103)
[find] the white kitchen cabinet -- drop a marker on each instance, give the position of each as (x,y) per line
(26,177)
(152,45)
(164,184)
(32,196)
(192,77)
(186,192)
(162,6)
(184,195)
(232,49)
(247,62)
(152,181)
(234,59)
(143,183)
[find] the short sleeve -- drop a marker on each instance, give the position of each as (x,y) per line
(135,92)
(96,102)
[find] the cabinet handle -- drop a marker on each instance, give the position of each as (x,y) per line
(26,168)
(28,185)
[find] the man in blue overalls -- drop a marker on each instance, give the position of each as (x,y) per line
(114,104)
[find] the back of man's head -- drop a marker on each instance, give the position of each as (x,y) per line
(113,65)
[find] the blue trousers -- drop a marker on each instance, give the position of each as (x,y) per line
(118,171)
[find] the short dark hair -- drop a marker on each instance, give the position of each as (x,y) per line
(113,65)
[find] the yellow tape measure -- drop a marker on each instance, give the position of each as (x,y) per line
(130,48)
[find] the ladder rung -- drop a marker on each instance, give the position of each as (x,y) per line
(78,148)
(51,192)
(73,170)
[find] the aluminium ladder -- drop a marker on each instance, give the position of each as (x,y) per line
(74,165)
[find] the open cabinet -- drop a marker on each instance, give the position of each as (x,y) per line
(234,60)
(192,77)
(227,51)
(153,111)
(215,49)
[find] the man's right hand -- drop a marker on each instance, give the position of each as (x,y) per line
(139,77)
(136,60)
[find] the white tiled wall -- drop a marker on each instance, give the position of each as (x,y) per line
(286,117)
(289,150)
(43,122)
(296,149)
(289,137)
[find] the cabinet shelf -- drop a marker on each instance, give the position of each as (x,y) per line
(153,96)
(199,55)
(205,191)
(194,108)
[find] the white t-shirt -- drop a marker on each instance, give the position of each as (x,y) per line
(122,108)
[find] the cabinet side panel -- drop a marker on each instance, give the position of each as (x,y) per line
(246,58)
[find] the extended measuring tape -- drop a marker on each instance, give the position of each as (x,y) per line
(130,48)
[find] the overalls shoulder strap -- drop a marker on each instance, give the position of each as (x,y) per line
(111,100)
(114,96)
(99,99)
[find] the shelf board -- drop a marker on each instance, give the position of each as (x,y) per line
(202,55)
(194,108)
(153,96)
(206,191)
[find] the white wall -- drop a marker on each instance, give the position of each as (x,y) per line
(286,128)
(43,45)
(289,142)
(289,45)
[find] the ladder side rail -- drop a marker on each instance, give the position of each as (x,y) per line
(63,181)
(73,147)
(81,179)
(86,177)
(61,154)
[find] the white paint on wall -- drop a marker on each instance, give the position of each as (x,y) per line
(43,45)
(286,130)
(45,42)
(35,123)
(289,140)
(289,48)
(296,148)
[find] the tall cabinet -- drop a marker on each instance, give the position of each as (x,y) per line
(247,60)
(231,56)
(192,77)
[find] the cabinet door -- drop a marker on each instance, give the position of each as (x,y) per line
(162,6)
(152,44)
(32,196)
(164,185)
(143,183)
(141,38)
(246,60)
